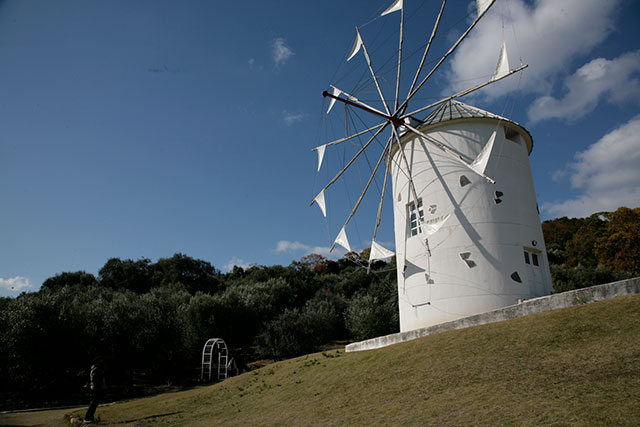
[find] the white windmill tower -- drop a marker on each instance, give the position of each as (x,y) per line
(467,229)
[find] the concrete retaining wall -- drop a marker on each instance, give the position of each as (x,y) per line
(532,306)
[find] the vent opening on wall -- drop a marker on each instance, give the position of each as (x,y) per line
(464,181)
(498,198)
(516,277)
(511,134)
(465,257)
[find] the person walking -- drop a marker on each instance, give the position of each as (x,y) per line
(97,385)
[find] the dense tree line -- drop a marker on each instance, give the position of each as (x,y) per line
(601,248)
(150,320)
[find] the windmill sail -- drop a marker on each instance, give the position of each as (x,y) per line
(379,252)
(502,69)
(483,5)
(479,165)
(319,200)
(356,47)
(335,92)
(342,240)
(320,151)
(397,5)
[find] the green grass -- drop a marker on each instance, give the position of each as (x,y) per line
(575,366)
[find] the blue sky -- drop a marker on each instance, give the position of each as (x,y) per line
(141,129)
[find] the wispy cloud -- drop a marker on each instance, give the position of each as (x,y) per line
(235,261)
(606,174)
(613,80)
(548,35)
(251,62)
(291,118)
(15,284)
(286,246)
(280,52)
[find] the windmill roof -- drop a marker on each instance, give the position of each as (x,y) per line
(453,109)
(456,110)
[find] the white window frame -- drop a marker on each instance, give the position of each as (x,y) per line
(411,217)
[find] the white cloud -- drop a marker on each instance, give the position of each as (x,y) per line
(251,61)
(546,35)
(613,80)
(280,52)
(235,261)
(15,284)
(606,173)
(285,246)
(291,118)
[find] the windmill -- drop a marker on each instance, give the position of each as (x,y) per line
(467,229)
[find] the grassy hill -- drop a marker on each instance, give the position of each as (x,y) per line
(575,366)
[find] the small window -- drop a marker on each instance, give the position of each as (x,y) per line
(511,134)
(532,256)
(464,181)
(413,222)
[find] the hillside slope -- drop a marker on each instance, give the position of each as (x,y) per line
(575,366)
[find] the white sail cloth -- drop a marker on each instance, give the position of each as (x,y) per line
(479,165)
(342,240)
(335,92)
(320,151)
(502,68)
(379,252)
(356,47)
(319,200)
(397,5)
(483,5)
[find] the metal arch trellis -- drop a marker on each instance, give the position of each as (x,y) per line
(214,352)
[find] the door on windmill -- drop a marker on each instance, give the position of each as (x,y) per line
(413,220)
(533,259)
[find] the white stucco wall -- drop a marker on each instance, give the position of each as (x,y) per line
(441,287)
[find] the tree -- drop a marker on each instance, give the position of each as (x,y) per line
(557,233)
(127,274)
(579,250)
(618,248)
(317,263)
(80,278)
(368,316)
(196,275)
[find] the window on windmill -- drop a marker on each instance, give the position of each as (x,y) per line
(413,221)
(511,134)
(531,257)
